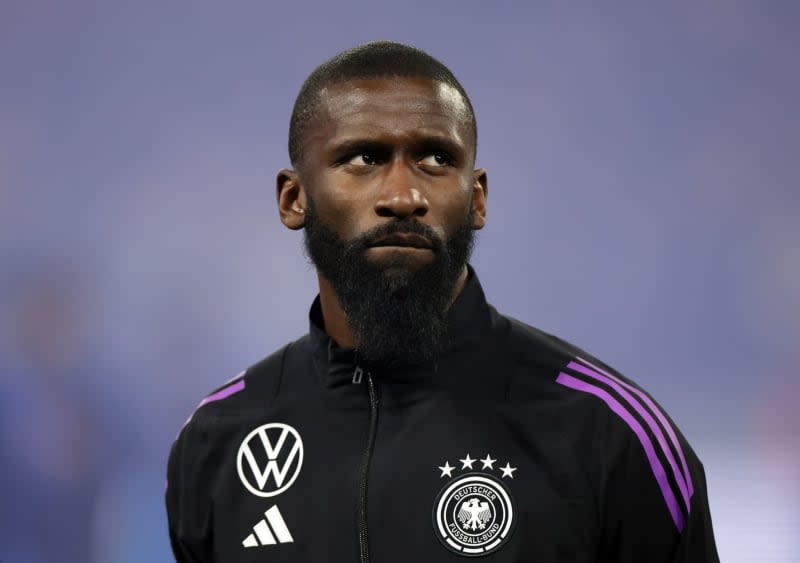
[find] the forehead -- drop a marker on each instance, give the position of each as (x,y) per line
(391,106)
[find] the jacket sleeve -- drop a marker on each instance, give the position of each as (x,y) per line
(697,541)
(656,509)
(188,534)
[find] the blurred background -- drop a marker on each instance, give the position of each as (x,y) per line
(644,203)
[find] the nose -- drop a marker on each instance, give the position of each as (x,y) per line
(401,195)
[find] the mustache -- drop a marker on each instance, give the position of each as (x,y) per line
(397,227)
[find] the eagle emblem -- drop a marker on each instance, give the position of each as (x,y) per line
(474,514)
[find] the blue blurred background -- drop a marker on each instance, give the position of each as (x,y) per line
(644,203)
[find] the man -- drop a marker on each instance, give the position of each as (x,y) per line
(413,422)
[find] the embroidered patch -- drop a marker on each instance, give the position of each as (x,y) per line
(474,513)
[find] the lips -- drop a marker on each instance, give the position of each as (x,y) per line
(408,240)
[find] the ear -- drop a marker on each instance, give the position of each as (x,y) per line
(291,199)
(480,191)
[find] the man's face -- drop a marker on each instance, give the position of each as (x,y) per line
(387,170)
(390,149)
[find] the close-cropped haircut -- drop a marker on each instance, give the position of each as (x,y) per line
(378,59)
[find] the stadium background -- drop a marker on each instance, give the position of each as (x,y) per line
(644,203)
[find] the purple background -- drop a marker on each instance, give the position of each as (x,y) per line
(643,203)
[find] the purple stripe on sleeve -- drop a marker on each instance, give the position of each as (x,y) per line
(237,376)
(658,469)
(223,393)
(654,428)
(659,415)
(237,384)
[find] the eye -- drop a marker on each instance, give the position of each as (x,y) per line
(363,159)
(436,159)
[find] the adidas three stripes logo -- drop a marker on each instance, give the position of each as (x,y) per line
(269,531)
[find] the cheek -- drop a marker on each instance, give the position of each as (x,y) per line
(454,208)
(341,208)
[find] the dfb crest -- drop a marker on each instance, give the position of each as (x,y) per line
(474,513)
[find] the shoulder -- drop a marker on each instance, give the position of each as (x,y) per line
(222,414)
(542,366)
(542,355)
(531,346)
(622,423)
(253,388)
(594,394)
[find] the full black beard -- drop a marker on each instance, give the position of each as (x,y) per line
(397,317)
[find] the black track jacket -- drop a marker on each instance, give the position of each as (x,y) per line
(514,447)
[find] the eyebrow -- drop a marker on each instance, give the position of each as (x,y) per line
(352,146)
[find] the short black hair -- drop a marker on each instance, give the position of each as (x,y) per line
(377,59)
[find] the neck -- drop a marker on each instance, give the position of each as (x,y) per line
(334,316)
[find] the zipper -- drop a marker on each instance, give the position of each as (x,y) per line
(363,536)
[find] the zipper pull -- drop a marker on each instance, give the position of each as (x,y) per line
(358,375)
